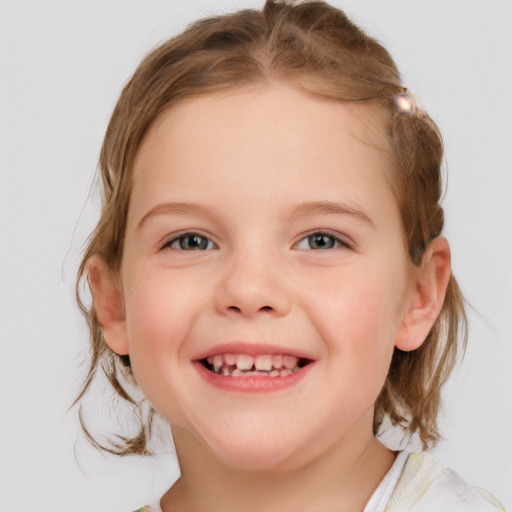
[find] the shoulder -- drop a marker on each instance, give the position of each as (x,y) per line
(426,486)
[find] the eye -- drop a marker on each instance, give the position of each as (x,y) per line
(189,242)
(322,241)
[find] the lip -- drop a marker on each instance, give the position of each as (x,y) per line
(252,349)
(254,383)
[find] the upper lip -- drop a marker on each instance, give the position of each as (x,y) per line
(252,349)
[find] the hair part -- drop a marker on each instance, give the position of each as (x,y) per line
(316,48)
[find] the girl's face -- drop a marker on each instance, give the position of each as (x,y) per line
(262,237)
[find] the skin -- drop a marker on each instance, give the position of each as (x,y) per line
(251,167)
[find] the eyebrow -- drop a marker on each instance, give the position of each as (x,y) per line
(295,213)
(328,207)
(170,208)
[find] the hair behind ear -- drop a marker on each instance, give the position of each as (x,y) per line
(411,396)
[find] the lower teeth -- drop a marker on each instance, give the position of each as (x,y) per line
(239,373)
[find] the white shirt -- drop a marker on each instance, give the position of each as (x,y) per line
(416,483)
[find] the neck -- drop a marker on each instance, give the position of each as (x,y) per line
(341,478)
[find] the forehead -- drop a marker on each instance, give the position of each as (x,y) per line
(275,134)
(276,104)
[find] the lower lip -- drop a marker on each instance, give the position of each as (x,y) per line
(254,383)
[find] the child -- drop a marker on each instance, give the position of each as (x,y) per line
(269,267)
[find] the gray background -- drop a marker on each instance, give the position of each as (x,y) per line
(62,64)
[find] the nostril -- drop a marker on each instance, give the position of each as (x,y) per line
(238,310)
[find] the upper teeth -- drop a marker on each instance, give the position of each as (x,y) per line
(245,362)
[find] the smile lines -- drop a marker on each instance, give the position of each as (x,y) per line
(244,365)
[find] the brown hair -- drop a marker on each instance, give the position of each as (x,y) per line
(316,48)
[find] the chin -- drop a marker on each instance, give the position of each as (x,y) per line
(256,461)
(270,452)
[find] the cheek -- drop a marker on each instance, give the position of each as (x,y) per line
(369,327)
(358,320)
(364,305)
(159,311)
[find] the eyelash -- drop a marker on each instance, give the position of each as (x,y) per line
(200,240)
(337,241)
(190,235)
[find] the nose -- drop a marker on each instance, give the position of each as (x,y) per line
(251,286)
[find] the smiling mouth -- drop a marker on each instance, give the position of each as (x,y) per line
(244,365)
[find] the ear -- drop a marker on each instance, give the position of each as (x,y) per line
(429,289)
(108,304)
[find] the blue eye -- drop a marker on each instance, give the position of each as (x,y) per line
(321,241)
(190,242)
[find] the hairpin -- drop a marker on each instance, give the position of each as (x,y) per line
(404,104)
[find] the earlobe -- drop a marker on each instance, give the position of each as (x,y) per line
(429,289)
(108,304)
